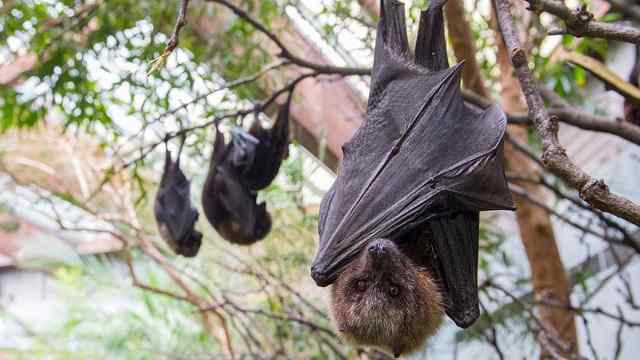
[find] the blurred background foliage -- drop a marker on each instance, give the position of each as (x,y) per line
(89,84)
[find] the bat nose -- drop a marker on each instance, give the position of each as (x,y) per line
(378,248)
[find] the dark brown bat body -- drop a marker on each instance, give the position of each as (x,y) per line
(230,207)
(237,171)
(174,213)
(384,299)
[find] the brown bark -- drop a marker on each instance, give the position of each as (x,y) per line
(461,39)
(371,6)
(548,275)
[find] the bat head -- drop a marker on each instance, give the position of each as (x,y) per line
(190,245)
(383,299)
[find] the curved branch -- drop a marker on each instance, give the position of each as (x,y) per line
(580,22)
(554,156)
(577,117)
(600,70)
(285,52)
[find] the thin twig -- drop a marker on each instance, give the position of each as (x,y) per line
(174,40)
(284,50)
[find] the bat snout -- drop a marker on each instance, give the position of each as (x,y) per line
(380,247)
(377,249)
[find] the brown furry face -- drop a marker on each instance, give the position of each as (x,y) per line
(383,299)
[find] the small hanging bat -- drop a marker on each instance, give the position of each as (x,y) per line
(230,207)
(417,173)
(174,213)
(237,171)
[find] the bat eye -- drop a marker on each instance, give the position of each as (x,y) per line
(394,290)
(361,285)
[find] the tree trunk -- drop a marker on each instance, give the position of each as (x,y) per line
(461,39)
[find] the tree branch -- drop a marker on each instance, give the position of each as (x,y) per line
(577,117)
(554,156)
(580,22)
(180,23)
(600,70)
(285,52)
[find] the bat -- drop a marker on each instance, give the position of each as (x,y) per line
(237,171)
(231,208)
(422,162)
(175,215)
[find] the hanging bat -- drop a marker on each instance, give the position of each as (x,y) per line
(418,171)
(230,207)
(237,171)
(174,213)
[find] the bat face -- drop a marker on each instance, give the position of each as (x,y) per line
(382,299)
(174,212)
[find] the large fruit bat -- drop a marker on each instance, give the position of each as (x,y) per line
(422,158)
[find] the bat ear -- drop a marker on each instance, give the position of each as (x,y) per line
(280,132)
(167,158)
(431,48)
(219,147)
(393,27)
